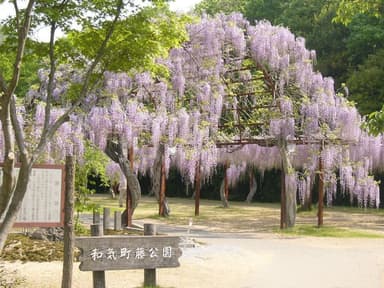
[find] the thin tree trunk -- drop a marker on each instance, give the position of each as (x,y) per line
(8,188)
(15,205)
(68,223)
(307,205)
(114,150)
(158,181)
(252,187)
(8,180)
(222,194)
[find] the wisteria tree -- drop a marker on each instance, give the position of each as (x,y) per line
(46,125)
(250,87)
(258,91)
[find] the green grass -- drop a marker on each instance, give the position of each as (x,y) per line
(328,231)
(358,210)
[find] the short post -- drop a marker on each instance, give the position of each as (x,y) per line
(149,274)
(96,217)
(117,221)
(106,217)
(98,276)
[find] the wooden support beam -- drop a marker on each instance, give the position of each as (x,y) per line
(320,212)
(162,189)
(128,203)
(197,189)
(283,200)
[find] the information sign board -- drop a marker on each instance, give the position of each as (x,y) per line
(43,203)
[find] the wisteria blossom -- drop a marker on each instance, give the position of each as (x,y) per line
(231,82)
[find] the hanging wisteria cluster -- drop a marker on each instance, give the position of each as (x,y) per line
(232,82)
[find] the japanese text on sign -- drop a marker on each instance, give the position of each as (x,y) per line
(43,201)
(137,253)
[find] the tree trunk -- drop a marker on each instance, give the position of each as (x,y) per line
(290,204)
(8,178)
(68,223)
(114,150)
(15,205)
(158,176)
(290,187)
(115,190)
(222,194)
(307,205)
(252,187)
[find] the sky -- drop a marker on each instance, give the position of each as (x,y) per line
(177,5)
(183,5)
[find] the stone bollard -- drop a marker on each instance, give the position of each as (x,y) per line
(117,220)
(106,219)
(96,217)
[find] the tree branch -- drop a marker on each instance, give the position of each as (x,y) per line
(18,130)
(22,39)
(49,130)
(100,51)
(52,73)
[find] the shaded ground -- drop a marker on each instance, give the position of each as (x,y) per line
(246,218)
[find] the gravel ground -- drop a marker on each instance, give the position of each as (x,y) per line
(244,256)
(254,260)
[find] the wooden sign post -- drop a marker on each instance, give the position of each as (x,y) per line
(128,252)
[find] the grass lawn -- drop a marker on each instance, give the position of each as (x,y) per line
(243,217)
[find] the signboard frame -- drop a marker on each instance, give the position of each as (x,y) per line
(29,222)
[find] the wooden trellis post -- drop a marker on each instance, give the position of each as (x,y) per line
(129,193)
(283,216)
(162,189)
(197,188)
(226,188)
(320,213)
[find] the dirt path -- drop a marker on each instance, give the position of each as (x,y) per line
(264,262)
(242,254)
